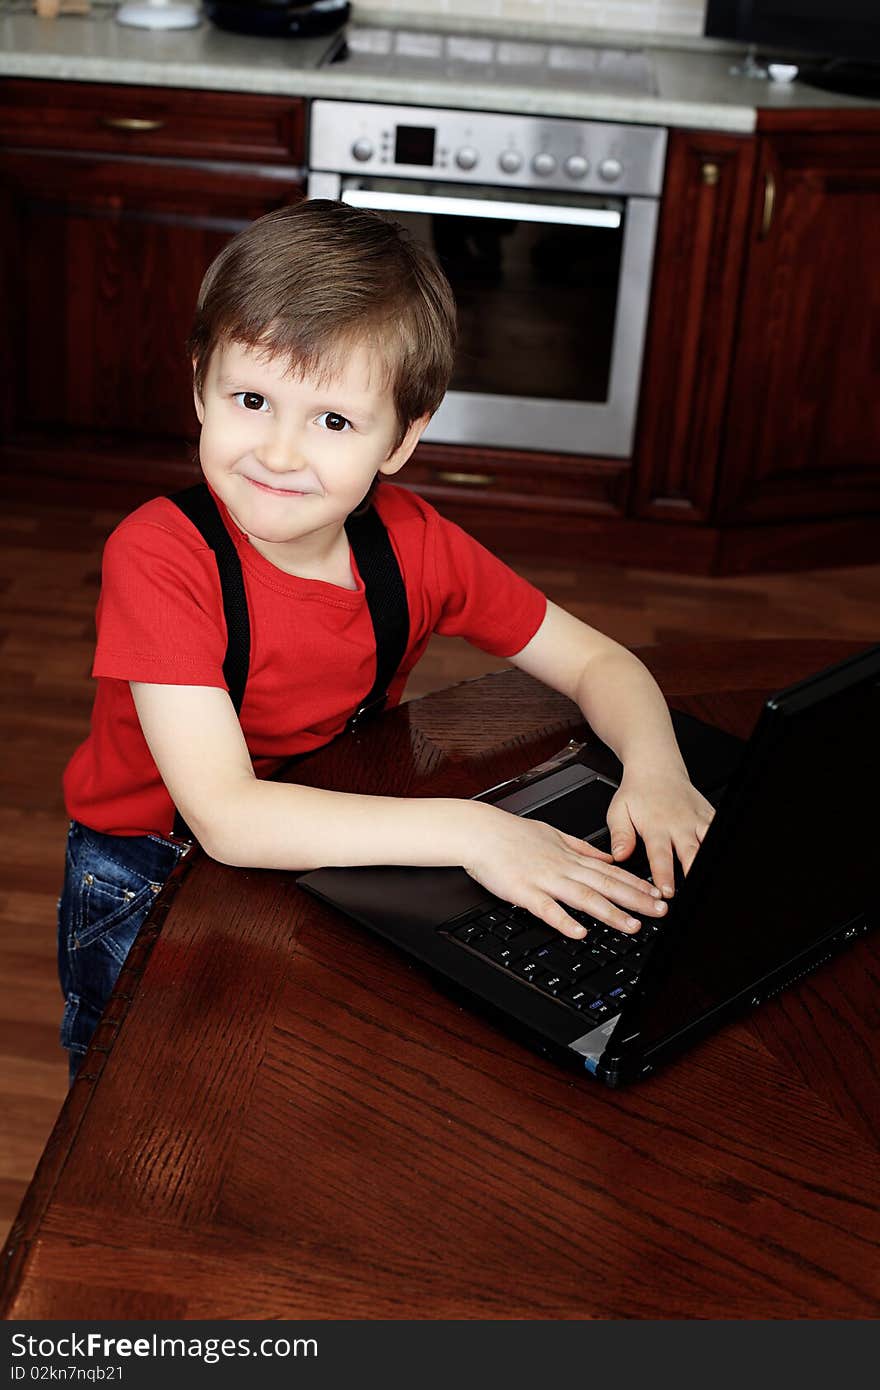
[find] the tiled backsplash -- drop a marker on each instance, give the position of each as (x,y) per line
(662,16)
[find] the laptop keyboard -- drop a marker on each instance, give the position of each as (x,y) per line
(595,975)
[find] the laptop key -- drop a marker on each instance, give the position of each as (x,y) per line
(493,947)
(633,946)
(577,997)
(617,948)
(529,970)
(553,959)
(530,939)
(611,977)
(598,1010)
(598,954)
(470,932)
(571,947)
(495,918)
(582,969)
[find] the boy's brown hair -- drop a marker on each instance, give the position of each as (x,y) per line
(308,282)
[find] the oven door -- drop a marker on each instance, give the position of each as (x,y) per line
(552,292)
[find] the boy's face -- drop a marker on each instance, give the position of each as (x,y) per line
(291,457)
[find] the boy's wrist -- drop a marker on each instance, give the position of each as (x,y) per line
(654,757)
(460,826)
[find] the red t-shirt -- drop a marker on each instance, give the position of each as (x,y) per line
(313,652)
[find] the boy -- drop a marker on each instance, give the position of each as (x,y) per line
(322,345)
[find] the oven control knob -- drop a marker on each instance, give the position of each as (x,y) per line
(466,158)
(362,149)
(544,164)
(510,161)
(576,166)
(610,170)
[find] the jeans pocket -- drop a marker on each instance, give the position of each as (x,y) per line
(109,921)
(108,910)
(110,886)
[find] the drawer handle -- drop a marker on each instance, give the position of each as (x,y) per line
(769,205)
(710,174)
(466,479)
(130,123)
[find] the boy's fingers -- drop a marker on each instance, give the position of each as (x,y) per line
(585,848)
(623,836)
(662,861)
(637,895)
(555,915)
(551,911)
(687,852)
(616,873)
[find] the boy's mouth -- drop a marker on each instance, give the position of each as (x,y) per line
(279,491)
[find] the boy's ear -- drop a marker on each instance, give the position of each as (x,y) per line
(395,461)
(199,403)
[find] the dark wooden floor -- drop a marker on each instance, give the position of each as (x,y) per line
(49,578)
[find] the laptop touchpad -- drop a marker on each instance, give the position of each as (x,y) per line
(579,808)
(580,812)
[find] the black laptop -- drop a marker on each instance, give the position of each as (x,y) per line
(787,876)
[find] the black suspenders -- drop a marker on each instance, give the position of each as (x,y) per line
(198,504)
(383,584)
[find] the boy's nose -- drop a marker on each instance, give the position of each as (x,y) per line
(281,453)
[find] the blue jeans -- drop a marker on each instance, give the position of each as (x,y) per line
(110,884)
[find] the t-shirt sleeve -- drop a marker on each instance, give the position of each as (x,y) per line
(160,613)
(482,599)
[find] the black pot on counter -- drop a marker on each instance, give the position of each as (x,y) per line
(278,18)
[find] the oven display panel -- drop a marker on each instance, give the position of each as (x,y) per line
(414,144)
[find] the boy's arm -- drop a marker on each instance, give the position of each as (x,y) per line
(197,743)
(623,704)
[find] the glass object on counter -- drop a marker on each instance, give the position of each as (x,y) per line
(159,14)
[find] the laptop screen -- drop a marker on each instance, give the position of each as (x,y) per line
(790,857)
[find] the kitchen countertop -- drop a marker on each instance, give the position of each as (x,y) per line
(693,88)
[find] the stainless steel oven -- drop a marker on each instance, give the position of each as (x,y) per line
(546,229)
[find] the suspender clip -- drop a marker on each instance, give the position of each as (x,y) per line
(365,712)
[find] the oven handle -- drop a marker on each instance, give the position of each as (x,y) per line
(480,207)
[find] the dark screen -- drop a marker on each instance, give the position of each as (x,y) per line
(790,857)
(414,144)
(836,28)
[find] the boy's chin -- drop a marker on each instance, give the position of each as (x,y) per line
(295,527)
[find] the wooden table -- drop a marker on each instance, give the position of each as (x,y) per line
(282,1117)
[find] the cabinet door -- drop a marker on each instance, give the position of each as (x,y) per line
(102,262)
(804,417)
(698,266)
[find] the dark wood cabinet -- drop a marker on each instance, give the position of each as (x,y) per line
(759,415)
(113,203)
(691,336)
(803,424)
(760,409)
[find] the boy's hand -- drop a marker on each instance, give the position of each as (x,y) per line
(668,812)
(537,867)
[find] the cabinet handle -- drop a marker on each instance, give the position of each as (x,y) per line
(769,204)
(130,123)
(711,174)
(465,479)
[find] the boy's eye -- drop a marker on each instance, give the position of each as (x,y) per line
(251,400)
(334,421)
